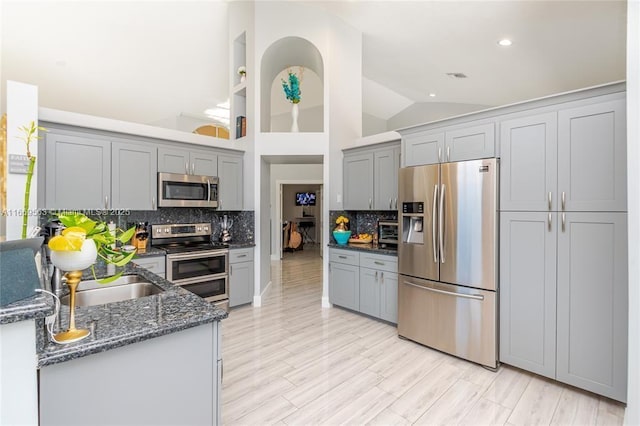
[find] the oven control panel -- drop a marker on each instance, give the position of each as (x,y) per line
(180,230)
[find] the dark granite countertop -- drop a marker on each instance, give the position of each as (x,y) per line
(122,323)
(34,307)
(365,247)
(151,251)
(240,245)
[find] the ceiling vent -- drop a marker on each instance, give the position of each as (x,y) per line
(456,75)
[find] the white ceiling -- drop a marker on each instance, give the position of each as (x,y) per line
(150,61)
(409,46)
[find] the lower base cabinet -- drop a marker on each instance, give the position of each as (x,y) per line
(173,379)
(155,264)
(364,282)
(241,277)
(563,297)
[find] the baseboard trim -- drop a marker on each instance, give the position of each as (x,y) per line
(326,303)
(257,300)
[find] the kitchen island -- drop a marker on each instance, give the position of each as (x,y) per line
(151,360)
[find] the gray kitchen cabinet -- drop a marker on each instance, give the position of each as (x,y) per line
(381,273)
(469,143)
(592,303)
(592,165)
(77,172)
(134,176)
(172,379)
(344,278)
(155,264)
(186,161)
(423,148)
(528,291)
(385,178)
(241,276)
(231,184)
(369,292)
(389,297)
(529,163)
(358,181)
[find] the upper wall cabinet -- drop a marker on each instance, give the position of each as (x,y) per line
(592,162)
(86,173)
(446,145)
(134,172)
(371,178)
(77,172)
(529,164)
(230,170)
(571,160)
(423,148)
(470,143)
(191,162)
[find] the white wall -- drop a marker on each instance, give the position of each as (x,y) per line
(22,108)
(426,111)
(632,414)
(309,120)
(127,60)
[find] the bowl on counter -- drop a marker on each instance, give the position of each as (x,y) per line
(342,237)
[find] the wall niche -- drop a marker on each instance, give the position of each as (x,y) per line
(304,59)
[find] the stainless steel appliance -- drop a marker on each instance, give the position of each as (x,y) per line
(181,190)
(447,258)
(388,233)
(193,260)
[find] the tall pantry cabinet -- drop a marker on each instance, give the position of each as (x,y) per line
(563,232)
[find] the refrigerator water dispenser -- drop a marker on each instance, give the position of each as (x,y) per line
(413,223)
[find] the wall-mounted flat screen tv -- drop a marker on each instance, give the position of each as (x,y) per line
(305,199)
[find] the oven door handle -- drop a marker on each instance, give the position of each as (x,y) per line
(200,279)
(209,188)
(196,255)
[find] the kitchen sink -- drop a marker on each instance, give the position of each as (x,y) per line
(127,287)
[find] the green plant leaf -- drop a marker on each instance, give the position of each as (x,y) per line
(110,279)
(126,236)
(125,260)
(69,219)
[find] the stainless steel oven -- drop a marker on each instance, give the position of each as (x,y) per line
(193,260)
(204,273)
(183,190)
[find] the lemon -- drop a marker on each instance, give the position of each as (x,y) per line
(74,230)
(71,242)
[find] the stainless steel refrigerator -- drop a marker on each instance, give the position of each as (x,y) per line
(447,256)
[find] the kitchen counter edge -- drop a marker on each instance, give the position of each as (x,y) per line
(34,307)
(123,323)
(365,248)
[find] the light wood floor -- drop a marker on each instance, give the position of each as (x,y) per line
(292,362)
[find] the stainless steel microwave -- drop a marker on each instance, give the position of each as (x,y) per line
(179,190)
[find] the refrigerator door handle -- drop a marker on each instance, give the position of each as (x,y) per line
(448,293)
(433,225)
(441,225)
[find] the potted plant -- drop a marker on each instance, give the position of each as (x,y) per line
(84,240)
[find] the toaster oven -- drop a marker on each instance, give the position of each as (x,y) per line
(388,233)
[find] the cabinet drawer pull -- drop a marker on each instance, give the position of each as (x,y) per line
(549,221)
(242,255)
(390,203)
(153,203)
(369,203)
(549,200)
(563,221)
(106,201)
(376,275)
(439,154)
(378,262)
(563,203)
(342,257)
(186,167)
(448,153)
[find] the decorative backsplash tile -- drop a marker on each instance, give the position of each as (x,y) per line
(242,231)
(361,222)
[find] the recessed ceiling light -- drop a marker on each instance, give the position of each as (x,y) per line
(432,95)
(505,42)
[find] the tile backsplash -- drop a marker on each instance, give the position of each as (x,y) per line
(361,222)
(242,230)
